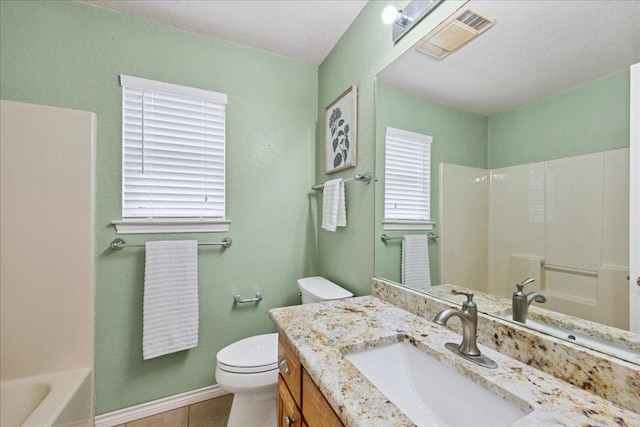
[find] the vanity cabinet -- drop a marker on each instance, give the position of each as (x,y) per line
(300,402)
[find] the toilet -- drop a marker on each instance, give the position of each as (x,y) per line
(249,368)
(319,289)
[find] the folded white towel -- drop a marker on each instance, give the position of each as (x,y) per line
(334,212)
(415,261)
(170,314)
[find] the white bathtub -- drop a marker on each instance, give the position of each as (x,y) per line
(58,399)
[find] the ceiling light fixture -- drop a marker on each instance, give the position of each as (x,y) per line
(403,20)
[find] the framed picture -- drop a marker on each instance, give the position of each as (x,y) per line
(340,119)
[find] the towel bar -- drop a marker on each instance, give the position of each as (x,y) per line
(385,238)
(366,178)
(119,244)
(239,300)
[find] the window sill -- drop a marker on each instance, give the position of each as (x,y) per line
(408,225)
(165,225)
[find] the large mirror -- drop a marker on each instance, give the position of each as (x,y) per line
(529,165)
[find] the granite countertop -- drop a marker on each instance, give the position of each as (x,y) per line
(500,306)
(319,334)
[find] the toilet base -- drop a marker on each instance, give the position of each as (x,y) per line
(249,410)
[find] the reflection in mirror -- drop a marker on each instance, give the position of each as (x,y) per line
(529,165)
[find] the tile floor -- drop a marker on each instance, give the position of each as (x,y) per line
(210,413)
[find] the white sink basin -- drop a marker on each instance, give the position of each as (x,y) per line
(582,339)
(429,392)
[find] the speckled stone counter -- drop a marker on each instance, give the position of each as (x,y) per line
(500,306)
(320,334)
(605,376)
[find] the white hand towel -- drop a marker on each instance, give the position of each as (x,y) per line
(170,315)
(334,212)
(415,261)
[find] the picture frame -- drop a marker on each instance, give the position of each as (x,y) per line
(340,128)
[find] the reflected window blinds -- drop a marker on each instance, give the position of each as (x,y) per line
(173,150)
(407,176)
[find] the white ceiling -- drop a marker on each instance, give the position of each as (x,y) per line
(534,49)
(302,29)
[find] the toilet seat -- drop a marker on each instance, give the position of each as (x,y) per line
(251,355)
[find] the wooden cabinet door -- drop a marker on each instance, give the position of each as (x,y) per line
(288,413)
(317,411)
(290,370)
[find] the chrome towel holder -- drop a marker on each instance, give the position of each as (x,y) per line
(431,236)
(366,178)
(239,300)
(119,244)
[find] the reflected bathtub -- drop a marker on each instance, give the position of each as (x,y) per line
(58,399)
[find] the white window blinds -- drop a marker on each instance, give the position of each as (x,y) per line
(173,150)
(407,176)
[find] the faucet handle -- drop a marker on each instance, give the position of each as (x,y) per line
(469,296)
(525,282)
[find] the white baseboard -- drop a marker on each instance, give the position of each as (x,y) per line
(132,413)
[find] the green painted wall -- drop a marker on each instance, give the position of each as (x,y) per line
(70,55)
(589,118)
(459,137)
(347,256)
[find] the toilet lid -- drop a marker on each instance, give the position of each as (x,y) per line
(250,355)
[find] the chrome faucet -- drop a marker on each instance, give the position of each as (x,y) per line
(521,301)
(469,317)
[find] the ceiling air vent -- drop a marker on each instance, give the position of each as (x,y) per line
(459,29)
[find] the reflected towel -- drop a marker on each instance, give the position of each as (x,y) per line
(170,313)
(334,212)
(415,261)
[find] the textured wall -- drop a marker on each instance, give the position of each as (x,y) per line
(589,118)
(347,256)
(70,55)
(459,137)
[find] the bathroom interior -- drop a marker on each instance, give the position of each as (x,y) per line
(532,173)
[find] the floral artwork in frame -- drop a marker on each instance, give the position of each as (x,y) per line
(340,119)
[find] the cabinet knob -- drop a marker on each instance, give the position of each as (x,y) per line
(288,421)
(638,281)
(283,366)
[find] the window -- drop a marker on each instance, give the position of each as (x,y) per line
(173,158)
(407,187)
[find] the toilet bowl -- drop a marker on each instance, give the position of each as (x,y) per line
(249,368)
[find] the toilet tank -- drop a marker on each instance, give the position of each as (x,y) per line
(318,289)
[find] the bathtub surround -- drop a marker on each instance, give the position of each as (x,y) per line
(60,399)
(47,276)
(607,377)
(522,221)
